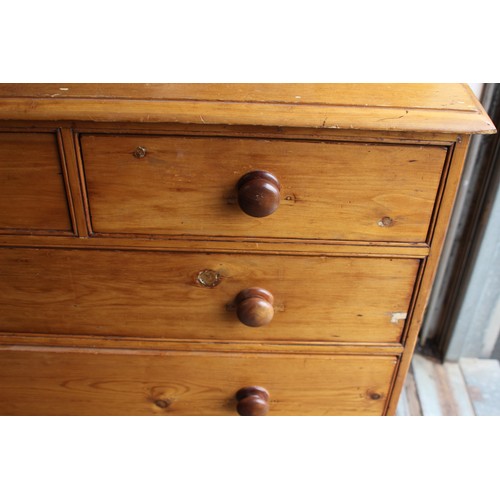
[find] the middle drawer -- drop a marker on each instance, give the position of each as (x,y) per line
(192,295)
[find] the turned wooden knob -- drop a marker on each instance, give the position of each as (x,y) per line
(252,401)
(254,307)
(258,193)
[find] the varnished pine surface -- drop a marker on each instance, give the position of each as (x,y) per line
(430,96)
(416,107)
(157,295)
(54,382)
(32,191)
(17,340)
(433,118)
(220,245)
(256,131)
(423,287)
(187,186)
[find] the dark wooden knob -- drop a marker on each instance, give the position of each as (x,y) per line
(252,401)
(254,307)
(259,193)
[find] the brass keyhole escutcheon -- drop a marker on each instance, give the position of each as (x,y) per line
(140,152)
(209,278)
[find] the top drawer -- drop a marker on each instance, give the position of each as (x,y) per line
(32,193)
(332,191)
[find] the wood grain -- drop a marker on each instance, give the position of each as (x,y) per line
(187,186)
(409,404)
(458,390)
(32,192)
(74,188)
(444,391)
(415,107)
(430,96)
(149,294)
(453,173)
(245,131)
(432,388)
(53,382)
(221,245)
(189,345)
(482,377)
(352,248)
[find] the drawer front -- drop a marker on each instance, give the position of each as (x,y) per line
(52,382)
(163,295)
(331,191)
(32,193)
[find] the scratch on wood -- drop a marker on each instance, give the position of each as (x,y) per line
(393,118)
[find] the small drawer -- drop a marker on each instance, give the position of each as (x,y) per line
(32,192)
(193,186)
(199,296)
(56,382)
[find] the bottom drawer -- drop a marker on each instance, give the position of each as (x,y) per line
(61,382)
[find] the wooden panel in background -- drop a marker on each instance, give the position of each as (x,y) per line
(409,404)
(53,382)
(436,389)
(482,377)
(458,389)
(432,390)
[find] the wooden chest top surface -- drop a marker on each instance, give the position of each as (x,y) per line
(397,107)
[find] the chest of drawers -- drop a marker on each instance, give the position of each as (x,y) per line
(221,249)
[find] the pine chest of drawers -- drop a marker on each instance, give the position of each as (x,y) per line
(221,249)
